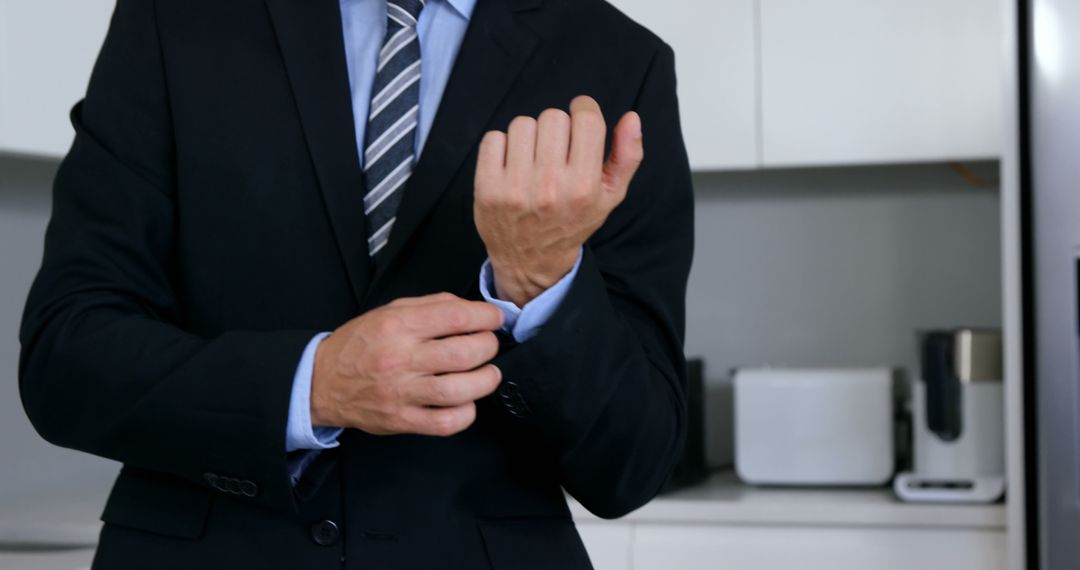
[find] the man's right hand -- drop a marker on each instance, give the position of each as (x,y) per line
(416,366)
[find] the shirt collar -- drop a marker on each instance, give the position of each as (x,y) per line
(463,7)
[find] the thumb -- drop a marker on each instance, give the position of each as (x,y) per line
(627,151)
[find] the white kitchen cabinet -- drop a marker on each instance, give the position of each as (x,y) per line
(714,45)
(850,81)
(49,47)
(762,83)
(724,524)
(696,547)
(47,50)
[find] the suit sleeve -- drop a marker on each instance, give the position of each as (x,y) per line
(107,366)
(603,383)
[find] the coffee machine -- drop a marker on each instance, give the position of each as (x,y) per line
(958,420)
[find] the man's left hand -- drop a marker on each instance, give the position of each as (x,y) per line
(543,188)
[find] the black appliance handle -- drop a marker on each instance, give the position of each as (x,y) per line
(943,415)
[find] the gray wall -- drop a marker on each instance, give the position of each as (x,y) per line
(823,267)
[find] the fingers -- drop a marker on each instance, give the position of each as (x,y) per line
(451,390)
(455,353)
(552,138)
(521,146)
(491,159)
(453,317)
(588,133)
(425,300)
(441,422)
(627,152)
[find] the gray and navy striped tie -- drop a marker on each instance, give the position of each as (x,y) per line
(389,140)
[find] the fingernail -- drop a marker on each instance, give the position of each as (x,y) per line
(498,372)
(637,132)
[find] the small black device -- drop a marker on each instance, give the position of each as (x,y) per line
(691,468)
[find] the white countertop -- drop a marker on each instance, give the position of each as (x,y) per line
(52,524)
(724,500)
(721,500)
(50,534)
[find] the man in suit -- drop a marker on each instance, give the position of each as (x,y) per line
(341,286)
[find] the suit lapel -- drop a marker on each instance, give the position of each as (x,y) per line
(494,49)
(311,40)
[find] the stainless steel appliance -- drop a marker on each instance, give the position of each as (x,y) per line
(1049,32)
(959,420)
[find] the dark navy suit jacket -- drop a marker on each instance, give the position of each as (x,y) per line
(207,224)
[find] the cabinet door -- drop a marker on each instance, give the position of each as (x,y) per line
(851,81)
(685,547)
(608,544)
(47,50)
(714,45)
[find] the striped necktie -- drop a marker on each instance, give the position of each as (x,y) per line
(393,116)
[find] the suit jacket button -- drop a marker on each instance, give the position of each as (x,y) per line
(249,488)
(325,533)
(513,401)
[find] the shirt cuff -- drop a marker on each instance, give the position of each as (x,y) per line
(525,322)
(299,433)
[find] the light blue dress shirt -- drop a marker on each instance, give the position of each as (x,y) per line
(441,29)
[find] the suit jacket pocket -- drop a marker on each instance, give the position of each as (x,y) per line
(157,503)
(534,544)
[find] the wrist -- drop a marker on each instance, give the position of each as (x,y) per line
(520,285)
(321,412)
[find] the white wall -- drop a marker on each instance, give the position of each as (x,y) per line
(810,267)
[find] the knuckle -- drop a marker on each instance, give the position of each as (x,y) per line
(549,179)
(396,422)
(455,357)
(450,422)
(444,424)
(489,345)
(381,397)
(467,416)
(455,317)
(389,324)
(388,361)
(591,120)
(443,391)
(514,201)
(482,184)
(582,197)
(545,200)
(484,197)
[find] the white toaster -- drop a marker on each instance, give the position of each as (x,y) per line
(815,426)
